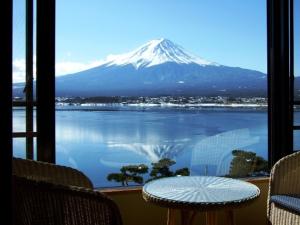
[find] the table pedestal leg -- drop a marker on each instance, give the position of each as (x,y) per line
(187,217)
(230,217)
(211,218)
(171,217)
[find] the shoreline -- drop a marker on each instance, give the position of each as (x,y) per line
(164,105)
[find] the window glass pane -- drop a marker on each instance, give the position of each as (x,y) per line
(132,98)
(18,43)
(297,48)
(19,144)
(19,47)
(19,119)
(297,116)
(296,140)
(19,64)
(19,147)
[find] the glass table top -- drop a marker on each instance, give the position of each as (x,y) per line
(200,190)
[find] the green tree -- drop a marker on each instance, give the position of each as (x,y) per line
(162,168)
(118,177)
(131,173)
(246,163)
(182,172)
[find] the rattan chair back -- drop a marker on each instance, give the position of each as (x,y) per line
(50,172)
(39,202)
(285,175)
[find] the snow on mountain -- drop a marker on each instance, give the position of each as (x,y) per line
(156,52)
(159,68)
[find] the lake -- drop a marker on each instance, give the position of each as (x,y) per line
(100,140)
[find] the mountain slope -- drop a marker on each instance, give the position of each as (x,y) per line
(164,79)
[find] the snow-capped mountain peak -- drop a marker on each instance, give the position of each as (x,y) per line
(134,74)
(156,52)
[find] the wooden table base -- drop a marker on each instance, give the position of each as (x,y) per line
(230,217)
(171,217)
(188,216)
(211,218)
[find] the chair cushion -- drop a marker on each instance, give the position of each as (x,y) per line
(289,202)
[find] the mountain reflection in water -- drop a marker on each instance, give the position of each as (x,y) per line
(101,142)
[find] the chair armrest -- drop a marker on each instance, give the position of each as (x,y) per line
(290,203)
(50,172)
(43,203)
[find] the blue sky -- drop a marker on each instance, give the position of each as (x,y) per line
(230,32)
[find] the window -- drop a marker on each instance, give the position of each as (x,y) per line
(34,37)
(23,101)
(112,132)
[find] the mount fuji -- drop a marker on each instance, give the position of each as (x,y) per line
(156,52)
(161,67)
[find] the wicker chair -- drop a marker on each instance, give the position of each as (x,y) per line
(43,203)
(50,172)
(43,196)
(284,191)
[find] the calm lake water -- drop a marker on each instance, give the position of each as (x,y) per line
(100,140)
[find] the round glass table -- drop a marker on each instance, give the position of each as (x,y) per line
(191,194)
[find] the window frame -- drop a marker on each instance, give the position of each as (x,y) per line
(29,104)
(280,95)
(45,81)
(6,13)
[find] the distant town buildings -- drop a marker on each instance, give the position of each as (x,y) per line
(165,101)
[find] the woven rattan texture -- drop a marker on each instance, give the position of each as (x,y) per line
(43,203)
(291,203)
(281,216)
(50,172)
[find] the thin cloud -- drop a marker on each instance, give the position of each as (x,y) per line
(61,68)
(19,70)
(68,67)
